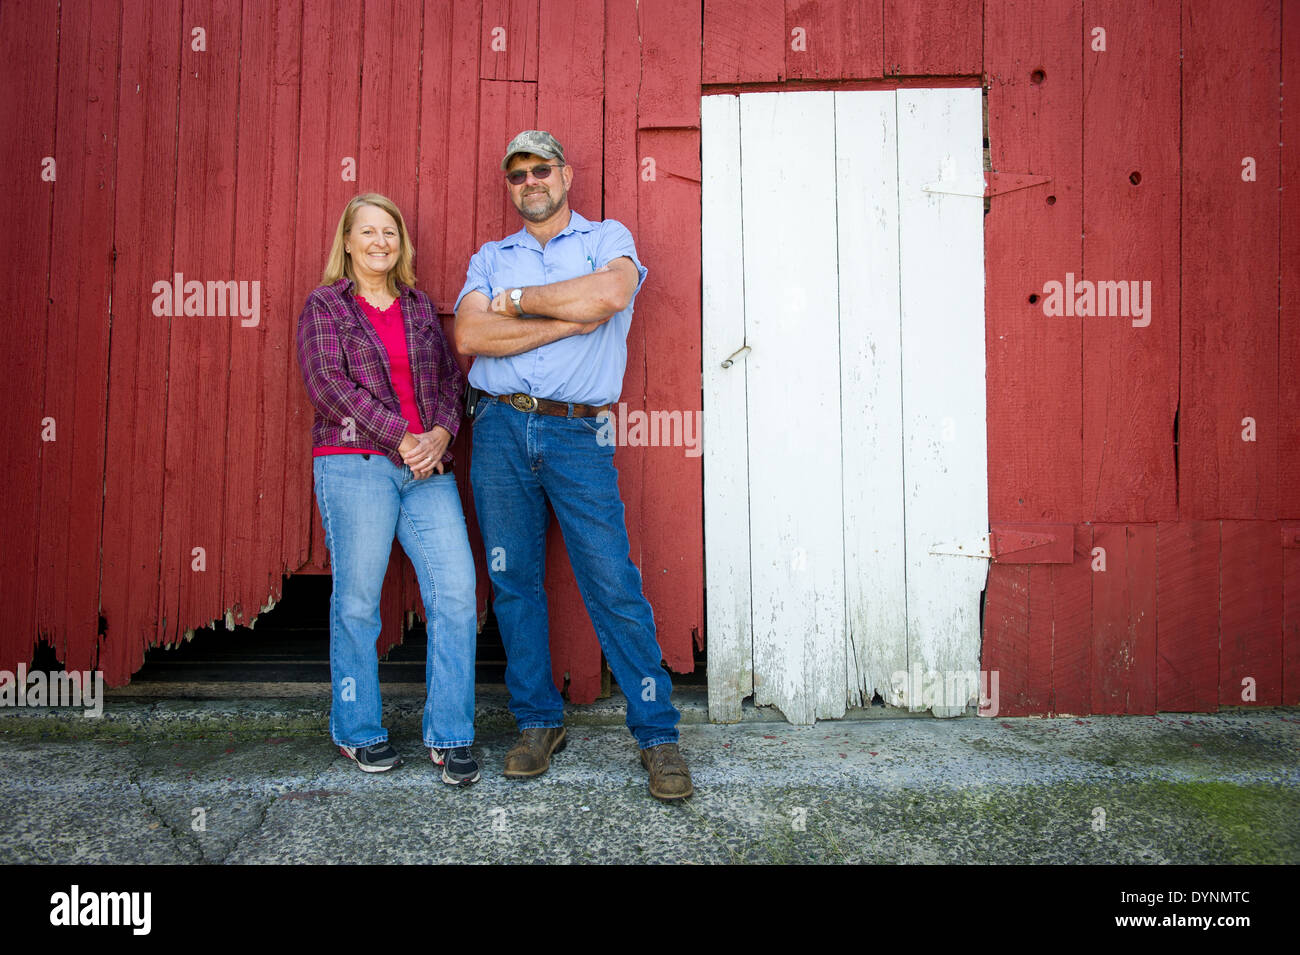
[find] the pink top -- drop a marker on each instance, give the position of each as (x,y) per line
(389,326)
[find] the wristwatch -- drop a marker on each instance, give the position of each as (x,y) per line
(515,295)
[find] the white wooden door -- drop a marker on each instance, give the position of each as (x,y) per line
(844,429)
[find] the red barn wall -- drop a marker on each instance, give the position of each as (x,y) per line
(226,163)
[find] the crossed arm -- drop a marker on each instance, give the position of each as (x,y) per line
(575,306)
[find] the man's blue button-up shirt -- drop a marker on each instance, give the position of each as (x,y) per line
(583,369)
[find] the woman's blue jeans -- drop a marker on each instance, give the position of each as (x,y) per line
(521,462)
(364,500)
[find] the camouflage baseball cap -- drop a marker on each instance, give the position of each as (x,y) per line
(535,141)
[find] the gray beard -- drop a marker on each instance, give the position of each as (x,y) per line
(541,213)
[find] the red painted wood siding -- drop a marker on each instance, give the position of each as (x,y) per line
(177,433)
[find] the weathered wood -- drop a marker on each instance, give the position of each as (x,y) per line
(1229,110)
(1288,467)
(870,370)
(791,304)
(505,109)
(1032,57)
(944,449)
(834,39)
(1250,614)
(1124,619)
(508,40)
(726,440)
(1187,616)
(29,62)
(1006,646)
(937,38)
(260,356)
(328,136)
(75,350)
(1290,626)
(1072,629)
(1130,372)
(199,351)
(670,64)
(744,41)
(668,307)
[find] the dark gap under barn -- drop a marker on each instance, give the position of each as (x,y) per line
(290,644)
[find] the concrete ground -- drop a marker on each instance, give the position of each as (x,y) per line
(256,780)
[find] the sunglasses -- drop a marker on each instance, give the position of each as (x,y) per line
(539,172)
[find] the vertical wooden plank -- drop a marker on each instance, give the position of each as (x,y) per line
(1250,609)
(1290,626)
(504,110)
(327,138)
(669,308)
(137,389)
(570,92)
(744,41)
(199,353)
(387,151)
(1229,108)
(1123,678)
(508,44)
(78,335)
(726,447)
(29,60)
(834,39)
(1032,56)
(871,393)
(1288,470)
(941,266)
(267,180)
(1006,648)
(1130,363)
(670,64)
(1187,616)
(1072,628)
(791,298)
(448,159)
(938,38)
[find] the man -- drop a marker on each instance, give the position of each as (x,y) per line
(547,312)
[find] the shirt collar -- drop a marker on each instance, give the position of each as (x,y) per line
(576,224)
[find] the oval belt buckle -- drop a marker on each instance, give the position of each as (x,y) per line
(522,402)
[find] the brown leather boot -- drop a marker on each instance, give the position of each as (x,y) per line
(669,777)
(531,756)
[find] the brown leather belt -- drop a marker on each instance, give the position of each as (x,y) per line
(556,409)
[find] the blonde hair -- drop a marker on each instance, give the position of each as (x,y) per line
(340,263)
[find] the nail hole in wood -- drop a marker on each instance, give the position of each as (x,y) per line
(1135,177)
(1037,77)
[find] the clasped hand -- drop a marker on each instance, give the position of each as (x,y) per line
(422,453)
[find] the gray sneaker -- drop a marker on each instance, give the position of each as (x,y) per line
(459,767)
(375,758)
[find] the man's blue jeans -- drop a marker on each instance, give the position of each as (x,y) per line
(363,501)
(520,462)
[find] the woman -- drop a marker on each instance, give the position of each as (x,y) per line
(387,397)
